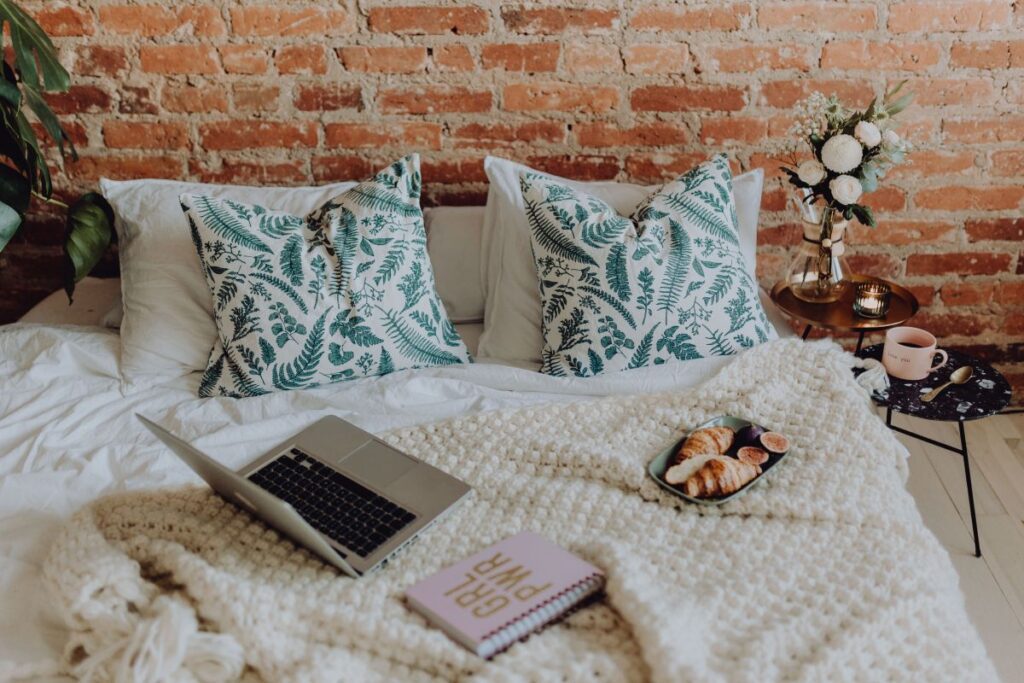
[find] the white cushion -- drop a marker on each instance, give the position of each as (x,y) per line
(346,291)
(512,320)
(667,284)
(454,234)
(97,303)
(168,326)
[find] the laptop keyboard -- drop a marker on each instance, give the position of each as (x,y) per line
(333,504)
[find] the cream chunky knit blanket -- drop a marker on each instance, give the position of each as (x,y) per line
(823,572)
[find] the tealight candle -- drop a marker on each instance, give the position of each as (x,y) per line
(872,300)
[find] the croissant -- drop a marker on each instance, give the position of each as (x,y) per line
(709,476)
(713,440)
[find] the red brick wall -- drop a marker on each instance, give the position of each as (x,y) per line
(306,92)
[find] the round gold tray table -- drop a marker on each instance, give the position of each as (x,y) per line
(839,315)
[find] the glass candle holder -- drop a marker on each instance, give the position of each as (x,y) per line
(871,300)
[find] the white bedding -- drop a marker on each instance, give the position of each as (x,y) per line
(67,436)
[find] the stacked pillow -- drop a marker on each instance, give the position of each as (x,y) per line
(667,283)
(513,314)
(346,291)
(278,288)
(168,328)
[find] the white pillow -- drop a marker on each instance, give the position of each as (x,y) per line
(453,242)
(512,317)
(168,327)
(96,299)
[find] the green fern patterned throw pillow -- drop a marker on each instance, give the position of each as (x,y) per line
(667,284)
(344,292)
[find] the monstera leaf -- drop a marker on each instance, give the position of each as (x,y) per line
(29,68)
(36,69)
(89,231)
(34,54)
(15,191)
(10,221)
(15,194)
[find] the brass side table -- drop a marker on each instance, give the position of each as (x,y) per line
(839,315)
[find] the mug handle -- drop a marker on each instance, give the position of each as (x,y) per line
(945,359)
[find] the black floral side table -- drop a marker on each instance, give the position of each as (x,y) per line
(985,394)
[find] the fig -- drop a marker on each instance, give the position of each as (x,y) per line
(749,436)
(774,442)
(752,455)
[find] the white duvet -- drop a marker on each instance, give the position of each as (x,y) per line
(68,436)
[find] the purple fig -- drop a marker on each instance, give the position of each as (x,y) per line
(749,436)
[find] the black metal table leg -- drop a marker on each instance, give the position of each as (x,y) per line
(970,489)
(860,342)
(807,331)
(962,452)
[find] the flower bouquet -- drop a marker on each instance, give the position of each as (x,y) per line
(852,151)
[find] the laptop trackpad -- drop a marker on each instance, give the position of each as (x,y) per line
(377,464)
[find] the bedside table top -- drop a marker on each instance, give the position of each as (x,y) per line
(839,315)
(986,393)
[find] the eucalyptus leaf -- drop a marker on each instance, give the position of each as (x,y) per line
(89,231)
(10,221)
(863,214)
(899,105)
(892,93)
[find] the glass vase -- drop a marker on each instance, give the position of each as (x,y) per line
(818,273)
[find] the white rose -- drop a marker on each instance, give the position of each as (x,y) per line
(841,153)
(845,189)
(891,138)
(811,172)
(868,134)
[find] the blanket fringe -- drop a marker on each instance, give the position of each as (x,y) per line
(10,671)
(165,644)
(874,378)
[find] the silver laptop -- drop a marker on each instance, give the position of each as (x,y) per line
(335,489)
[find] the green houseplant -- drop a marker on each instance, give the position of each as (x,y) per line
(30,69)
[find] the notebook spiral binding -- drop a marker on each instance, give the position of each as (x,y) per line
(551,609)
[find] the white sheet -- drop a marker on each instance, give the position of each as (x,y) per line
(68,435)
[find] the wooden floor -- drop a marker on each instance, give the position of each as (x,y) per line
(994,584)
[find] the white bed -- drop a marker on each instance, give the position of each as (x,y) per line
(68,436)
(68,433)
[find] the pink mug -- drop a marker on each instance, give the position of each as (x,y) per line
(909,352)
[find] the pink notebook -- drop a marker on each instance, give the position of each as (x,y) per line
(502,594)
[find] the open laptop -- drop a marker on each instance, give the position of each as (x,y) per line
(335,489)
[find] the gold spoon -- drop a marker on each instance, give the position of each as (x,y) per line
(959,376)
